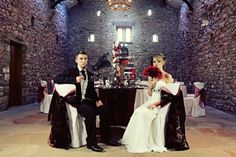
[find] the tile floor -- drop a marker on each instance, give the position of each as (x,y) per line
(24,132)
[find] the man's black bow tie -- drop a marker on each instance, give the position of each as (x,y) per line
(83,73)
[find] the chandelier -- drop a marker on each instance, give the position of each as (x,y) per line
(119,5)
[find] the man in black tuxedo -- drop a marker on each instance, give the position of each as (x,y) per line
(87,102)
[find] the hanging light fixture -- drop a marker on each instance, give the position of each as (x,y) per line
(119,5)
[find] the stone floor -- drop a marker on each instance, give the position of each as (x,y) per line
(24,133)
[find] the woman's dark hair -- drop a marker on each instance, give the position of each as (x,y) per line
(151,61)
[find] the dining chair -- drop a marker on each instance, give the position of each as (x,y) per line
(76,121)
(162,116)
(194,103)
(44,98)
(183,88)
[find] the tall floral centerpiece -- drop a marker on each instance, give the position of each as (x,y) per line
(124,69)
(118,65)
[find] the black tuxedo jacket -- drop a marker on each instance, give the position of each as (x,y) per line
(69,76)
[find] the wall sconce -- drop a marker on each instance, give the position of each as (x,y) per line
(98,13)
(204,18)
(91,38)
(205,22)
(155,38)
(149,12)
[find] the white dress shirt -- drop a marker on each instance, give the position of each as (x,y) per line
(83,83)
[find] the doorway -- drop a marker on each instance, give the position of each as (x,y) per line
(15,89)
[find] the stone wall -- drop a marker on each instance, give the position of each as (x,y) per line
(44,34)
(209,50)
(163,22)
(199,45)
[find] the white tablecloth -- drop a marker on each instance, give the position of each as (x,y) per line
(141,97)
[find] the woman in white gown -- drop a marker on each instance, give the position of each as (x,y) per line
(141,135)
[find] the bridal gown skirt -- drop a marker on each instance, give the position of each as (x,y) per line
(145,131)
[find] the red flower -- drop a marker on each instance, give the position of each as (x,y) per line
(116,49)
(152,72)
(126,61)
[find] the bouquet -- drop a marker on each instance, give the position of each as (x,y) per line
(152,72)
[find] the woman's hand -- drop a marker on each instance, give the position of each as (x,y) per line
(151,83)
(154,105)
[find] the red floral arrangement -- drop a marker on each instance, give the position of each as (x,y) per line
(152,72)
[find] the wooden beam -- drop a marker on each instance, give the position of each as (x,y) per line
(54,3)
(188,4)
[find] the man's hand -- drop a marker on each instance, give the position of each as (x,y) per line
(79,79)
(99,103)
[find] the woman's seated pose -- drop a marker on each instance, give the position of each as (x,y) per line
(142,134)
